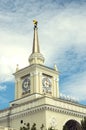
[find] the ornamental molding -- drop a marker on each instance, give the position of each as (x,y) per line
(56,79)
(35,73)
(55,109)
(31,74)
(27,112)
(40,73)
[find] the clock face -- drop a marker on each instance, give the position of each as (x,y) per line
(26,84)
(46,82)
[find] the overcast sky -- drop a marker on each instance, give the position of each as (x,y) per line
(62,39)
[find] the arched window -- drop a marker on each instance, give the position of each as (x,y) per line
(72,125)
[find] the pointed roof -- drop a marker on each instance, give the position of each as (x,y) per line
(36,57)
(36,48)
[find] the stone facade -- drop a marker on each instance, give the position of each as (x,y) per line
(42,110)
(5,128)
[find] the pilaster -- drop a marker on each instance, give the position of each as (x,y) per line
(18,89)
(32,82)
(55,87)
(40,82)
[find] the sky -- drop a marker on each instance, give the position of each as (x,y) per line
(62,39)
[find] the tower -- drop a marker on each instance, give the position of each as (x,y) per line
(37,96)
(36,78)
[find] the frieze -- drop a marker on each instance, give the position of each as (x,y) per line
(34,106)
(41,108)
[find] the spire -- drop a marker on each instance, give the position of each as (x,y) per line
(36,57)
(35,38)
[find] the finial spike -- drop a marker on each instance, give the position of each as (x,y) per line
(17,67)
(55,67)
(35,23)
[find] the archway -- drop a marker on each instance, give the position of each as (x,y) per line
(72,125)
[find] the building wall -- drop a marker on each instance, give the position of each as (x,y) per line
(58,120)
(4,122)
(5,128)
(43,110)
(36,117)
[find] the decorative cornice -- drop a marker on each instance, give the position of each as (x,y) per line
(42,108)
(56,79)
(42,104)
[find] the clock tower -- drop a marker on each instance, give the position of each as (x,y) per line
(36,79)
(37,97)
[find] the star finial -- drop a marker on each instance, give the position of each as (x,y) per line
(35,23)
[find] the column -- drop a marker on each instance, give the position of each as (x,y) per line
(19,88)
(55,87)
(40,82)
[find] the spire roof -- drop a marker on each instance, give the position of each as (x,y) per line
(36,57)
(36,48)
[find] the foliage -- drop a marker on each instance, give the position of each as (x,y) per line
(83,123)
(42,127)
(51,128)
(65,127)
(33,126)
(27,127)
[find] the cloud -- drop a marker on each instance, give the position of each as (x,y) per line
(75,86)
(3,88)
(13,52)
(62,38)
(6,93)
(63,30)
